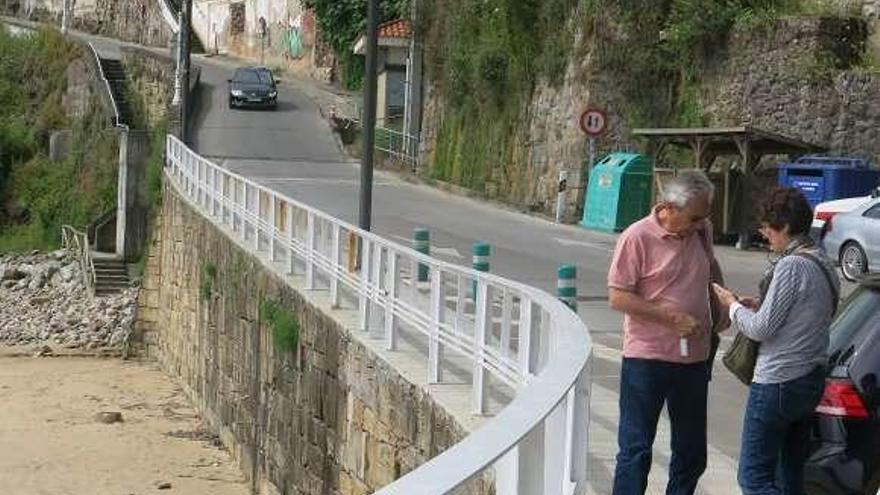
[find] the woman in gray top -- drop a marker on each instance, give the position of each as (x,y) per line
(790,320)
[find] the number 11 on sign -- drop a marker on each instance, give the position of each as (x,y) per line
(593,123)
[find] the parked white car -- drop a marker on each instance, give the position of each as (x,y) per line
(823,212)
(852,239)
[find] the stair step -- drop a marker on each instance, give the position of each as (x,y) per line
(112,276)
(111,285)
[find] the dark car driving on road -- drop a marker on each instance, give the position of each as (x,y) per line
(845,450)
(253,87)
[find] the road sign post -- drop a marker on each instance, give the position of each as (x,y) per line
(593,122)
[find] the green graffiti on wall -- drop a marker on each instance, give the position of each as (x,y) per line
(293,43)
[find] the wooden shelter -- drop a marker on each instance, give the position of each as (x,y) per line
(747,143)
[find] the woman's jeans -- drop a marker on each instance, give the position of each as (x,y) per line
(776,433)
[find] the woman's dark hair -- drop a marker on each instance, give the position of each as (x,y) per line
(786,206)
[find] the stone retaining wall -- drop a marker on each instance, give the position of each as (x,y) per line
(329,417)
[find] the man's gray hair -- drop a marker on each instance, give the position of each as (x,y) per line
(687,185)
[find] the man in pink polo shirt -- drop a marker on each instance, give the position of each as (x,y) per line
(659,278)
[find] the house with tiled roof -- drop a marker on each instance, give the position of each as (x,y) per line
(394,45)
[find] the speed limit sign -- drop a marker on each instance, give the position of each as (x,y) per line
(593,122)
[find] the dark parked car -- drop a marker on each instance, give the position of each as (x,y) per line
(845,449)
(253,86)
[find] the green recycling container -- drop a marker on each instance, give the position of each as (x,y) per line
(619,192)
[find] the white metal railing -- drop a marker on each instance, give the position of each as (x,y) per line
(514,340)
(108,88)
(404,147)
(77,244)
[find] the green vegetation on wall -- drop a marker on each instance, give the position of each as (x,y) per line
(485,57)
(207,280)
(341,23)
(156,162)
(285,327)
(37,194)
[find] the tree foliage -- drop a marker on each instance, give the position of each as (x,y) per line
(341,23)
(37,195)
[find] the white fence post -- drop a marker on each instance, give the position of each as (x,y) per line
(554,448)
(460,301)
(257,199)
(336,253)
(310,250)
(524,348)
(272,226)
(366,292)
(580,426)
(391,289)
(376,272)
(224,198)
(521,471)
(483,320)
(291,239)
(506,310)
(435,348)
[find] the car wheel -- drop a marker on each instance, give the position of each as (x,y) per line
(853,262)
(231,104)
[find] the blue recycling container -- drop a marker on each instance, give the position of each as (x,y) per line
(823,178)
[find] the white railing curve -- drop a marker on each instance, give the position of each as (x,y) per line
(526,352)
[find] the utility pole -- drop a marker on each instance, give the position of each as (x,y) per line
(369,122)
(65,13)
(184,34)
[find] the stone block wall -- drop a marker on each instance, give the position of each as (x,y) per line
(808,78)
(808,82)
(329,417)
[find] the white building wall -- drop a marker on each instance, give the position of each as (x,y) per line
(211,22)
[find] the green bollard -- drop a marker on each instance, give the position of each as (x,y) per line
(481,252)
(422,244)
(566,285)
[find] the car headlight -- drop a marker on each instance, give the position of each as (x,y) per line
(273,94)
(237,92)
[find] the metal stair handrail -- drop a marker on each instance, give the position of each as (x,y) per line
(77,244)
(169,15)
(117,120)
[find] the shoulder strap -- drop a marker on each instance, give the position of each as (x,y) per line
(834,291)
(714,270)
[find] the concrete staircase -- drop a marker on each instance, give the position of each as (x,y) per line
(115,73)
(111,276)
